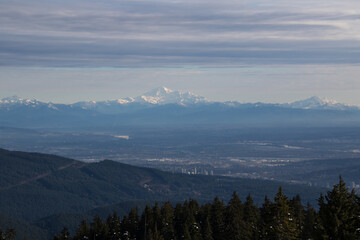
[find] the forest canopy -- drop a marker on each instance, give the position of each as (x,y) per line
(338,217)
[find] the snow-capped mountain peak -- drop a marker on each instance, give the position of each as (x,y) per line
(11,99)
(320,103)
(163,95)
(15,101)
(160,91)
(125,100)
(157,96)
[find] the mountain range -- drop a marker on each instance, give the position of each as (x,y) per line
(164,96)
(162,106)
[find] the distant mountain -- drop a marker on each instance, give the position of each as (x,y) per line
(320,103)
(157,96)
(16,102)
(162,106)
(164,96)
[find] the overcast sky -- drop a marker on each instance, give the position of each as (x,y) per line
(272,51)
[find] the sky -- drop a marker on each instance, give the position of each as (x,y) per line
(247,51)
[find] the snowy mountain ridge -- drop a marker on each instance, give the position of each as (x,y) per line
(163,96)
(15,101)
(320,103)
(157,96)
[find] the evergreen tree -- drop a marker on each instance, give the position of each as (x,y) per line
(267,216)
(178,221)
(205,222)
(64,235)
(251,219)
(124,230)
(357,212)
(156,212)
(132,223)
(298,210)
(188,229)
(83,231)
(98,230)
(149,234)
(234,219)
(156,233)
(114,225)
(181,221)
(147,224)
(339,214)
(310,225)
(284,218)
(167,221)
(217,219)
(207,232)
(157,222)
(193,219)
(185,233)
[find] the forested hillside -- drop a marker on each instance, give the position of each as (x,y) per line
(33,185)
(50,191)
(282,218)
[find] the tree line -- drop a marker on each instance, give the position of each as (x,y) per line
(338,217)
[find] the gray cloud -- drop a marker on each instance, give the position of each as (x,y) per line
(175,33)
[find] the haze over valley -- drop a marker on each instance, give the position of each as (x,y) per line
(308,142)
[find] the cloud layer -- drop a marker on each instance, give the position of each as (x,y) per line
(53,33)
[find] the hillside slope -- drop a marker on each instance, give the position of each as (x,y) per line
(34,186)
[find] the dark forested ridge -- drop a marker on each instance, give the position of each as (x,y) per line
(52,184)
(41,189)
(282,218)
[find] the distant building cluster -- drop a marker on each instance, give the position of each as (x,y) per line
(196,171)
